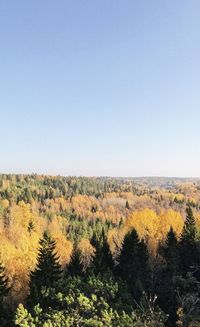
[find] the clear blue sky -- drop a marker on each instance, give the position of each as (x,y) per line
(100,87)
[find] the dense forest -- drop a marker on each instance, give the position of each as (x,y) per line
(77,251)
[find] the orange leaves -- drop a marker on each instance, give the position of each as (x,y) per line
(18,274)
(83,204)
(58,225)
(57,228)
(19,246)
(146,223)
(115,238)
(17,263)
(171,218)
(21,215)
(56,205)
(64,249)
(87,253)
(153,227)
(110,213)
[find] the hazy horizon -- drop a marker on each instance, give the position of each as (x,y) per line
(100,88)
(98,176)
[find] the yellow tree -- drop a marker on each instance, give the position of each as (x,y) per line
(146,223)
(87,253)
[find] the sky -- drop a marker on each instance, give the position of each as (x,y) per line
(100,87)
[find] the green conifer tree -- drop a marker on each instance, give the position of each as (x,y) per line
(75,267)
(133,264)
(48,270)
(171,253)
(189,229)
(189,254)
(103,258)
(166,287)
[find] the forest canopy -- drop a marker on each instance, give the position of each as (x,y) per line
(77,251)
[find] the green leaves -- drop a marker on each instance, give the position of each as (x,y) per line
(23,318)
(88,302)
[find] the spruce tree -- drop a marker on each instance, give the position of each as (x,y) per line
(189,229)
(107,259)
(171,253)
(48,270)
(133,264)
(103,260)
(75,267)
(189,254)
(166,288)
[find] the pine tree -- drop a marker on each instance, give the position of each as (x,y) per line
(133,264)
(189,254)
(48,269)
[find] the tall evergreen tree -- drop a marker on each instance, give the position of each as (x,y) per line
(189,229)
(166,287)
(107,259)
(48,270)
(189,254)
(133,264)
(75,267)
(103,258)
(171,253)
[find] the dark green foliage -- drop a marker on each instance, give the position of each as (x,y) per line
(75,267)
(188,299)
(79,227)
(48,270)
(103,258)
(171,253)
(189,230)
(166,287)
(4,289)
(133,264)
(89,302)
(189,253)
(127,205)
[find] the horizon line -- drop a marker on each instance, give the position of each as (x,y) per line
(98,176)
